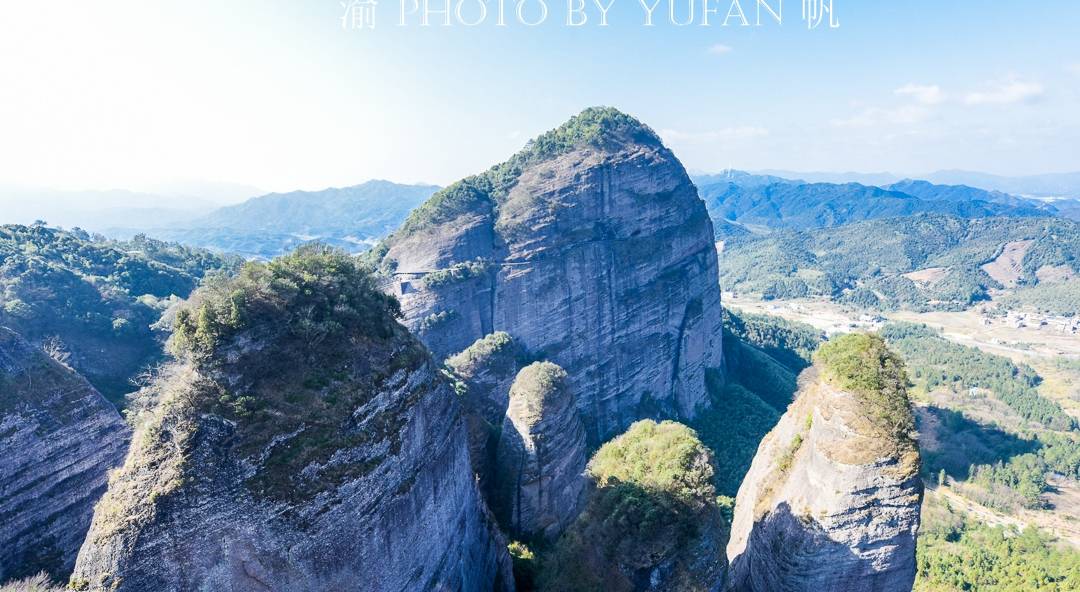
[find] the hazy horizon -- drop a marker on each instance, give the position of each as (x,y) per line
(278,95)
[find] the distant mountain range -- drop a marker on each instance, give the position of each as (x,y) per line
(352,218)
(1048,185)
(762,203)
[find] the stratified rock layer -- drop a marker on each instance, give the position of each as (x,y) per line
(827,504)
(322,450)
(592,249)
(541,456)
(59,438)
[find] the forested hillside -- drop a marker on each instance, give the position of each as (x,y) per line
(919,262)
(91,302)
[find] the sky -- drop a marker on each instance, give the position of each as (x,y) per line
(279,95)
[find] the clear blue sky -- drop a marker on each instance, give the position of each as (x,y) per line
(274,93)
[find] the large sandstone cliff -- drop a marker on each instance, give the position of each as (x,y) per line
(59,438)
(312,446)
(593,250)
(541,455)
(831,501)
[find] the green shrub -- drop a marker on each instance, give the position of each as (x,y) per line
(862,364)
(312,294)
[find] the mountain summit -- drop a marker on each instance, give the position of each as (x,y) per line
(592,249)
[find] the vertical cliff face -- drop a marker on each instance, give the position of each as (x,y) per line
(59,438)
(307,443)
(832,498)
(541,455)
(591,248)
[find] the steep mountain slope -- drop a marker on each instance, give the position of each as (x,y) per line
(803,206)
(591,248)
(924,261)
(832,498)
(305,442)
(59,438)
(94,300)
(351,218)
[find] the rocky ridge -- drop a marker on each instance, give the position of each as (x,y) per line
(831,502)
(59,438)
(592,249)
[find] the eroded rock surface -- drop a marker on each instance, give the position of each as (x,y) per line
(829,503)
(593,250)
(541,455)
(58,437)
(312,446)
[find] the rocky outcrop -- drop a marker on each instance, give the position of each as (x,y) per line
(831,501)
(652,522)
(312,446)
(486,370)
(592,249)
(541,455)
(59,438)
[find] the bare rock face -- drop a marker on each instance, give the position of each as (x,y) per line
(59,439)
(831,501)
(592,249)
(312,446)
(541,456)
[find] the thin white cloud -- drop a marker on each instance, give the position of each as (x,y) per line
(1006,93)
(720,49)
(729,133)
(927,94)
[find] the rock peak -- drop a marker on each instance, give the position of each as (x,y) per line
(590,248)
(831,501)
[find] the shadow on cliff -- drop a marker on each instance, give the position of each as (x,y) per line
(951,441)
(791,553)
